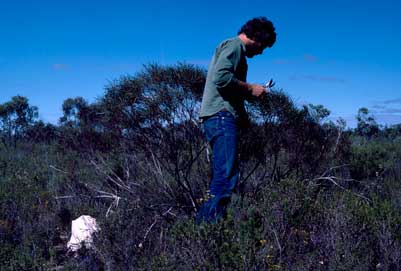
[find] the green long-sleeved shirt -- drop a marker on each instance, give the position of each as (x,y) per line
(222,90)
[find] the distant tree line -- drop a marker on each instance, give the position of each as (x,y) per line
(155,113)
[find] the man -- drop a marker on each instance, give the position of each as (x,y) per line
(222,110)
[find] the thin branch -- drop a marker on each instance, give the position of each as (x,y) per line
(278,242)
(140,245)
(57,169)
(333,180)
(65,197)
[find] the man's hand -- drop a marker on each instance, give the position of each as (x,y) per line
(257,90)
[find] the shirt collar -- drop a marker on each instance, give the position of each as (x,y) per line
(242,44)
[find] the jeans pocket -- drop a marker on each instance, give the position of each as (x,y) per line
(211,127)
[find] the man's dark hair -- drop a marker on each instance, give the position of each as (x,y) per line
(260,29)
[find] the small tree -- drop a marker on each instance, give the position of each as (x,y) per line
(16,116)
(73,109)
(367,125)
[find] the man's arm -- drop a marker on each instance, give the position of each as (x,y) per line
(226,63)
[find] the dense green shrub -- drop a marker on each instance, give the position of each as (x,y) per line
(376,159)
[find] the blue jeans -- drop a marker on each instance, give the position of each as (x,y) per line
(222,134)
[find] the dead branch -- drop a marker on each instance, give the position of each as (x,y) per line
(157,219)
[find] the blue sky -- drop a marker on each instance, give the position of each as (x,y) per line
(341,54)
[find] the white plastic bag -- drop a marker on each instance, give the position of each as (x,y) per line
(82,230)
